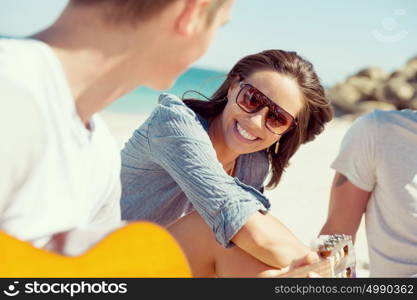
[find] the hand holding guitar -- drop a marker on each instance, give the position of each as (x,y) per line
(336,259)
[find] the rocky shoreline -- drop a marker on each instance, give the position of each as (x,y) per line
(373,88)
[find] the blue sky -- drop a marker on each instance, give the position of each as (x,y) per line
(338,36)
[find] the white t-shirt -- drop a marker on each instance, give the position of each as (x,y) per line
(55,175)
(379,154)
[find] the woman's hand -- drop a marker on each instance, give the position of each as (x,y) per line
(306,260)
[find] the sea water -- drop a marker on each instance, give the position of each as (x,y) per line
(143,100)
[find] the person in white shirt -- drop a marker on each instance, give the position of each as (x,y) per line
(60,165)
(376,176)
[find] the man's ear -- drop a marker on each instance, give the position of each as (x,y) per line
(190,16)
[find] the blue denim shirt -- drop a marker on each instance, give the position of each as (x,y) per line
(169,168)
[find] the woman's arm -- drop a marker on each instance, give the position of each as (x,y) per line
(267,239)
(207,258)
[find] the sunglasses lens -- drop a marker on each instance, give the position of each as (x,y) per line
(249,99)
(278,122)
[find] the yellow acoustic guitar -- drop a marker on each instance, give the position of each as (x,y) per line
(139,249)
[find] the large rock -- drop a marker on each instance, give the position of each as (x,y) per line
(373,88)
(345,96)
(413,104)
(397,91)
(412,63)
(373,73)
(365,85)
(408,72)
(357,88)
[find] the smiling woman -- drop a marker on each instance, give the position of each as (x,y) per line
(214,156)
(292,83)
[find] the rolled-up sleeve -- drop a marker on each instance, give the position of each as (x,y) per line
(181,146)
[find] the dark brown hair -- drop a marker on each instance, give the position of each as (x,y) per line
(311,119)
(139,10)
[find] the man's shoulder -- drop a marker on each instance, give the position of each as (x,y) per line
(22,131)
(21,116)
(16,53)
(391,117)
(16,96)
(386,118)
(15,45)
(22,64)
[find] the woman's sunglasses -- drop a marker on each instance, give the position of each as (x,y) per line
(251,100)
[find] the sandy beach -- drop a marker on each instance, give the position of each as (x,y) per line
(301,199)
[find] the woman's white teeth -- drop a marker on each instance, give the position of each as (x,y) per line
(245,134)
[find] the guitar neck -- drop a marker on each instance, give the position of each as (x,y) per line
(337,258)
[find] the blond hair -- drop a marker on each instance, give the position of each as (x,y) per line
(139,10)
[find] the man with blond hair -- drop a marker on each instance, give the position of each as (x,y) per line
(61,162)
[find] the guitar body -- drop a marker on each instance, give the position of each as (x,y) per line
(139,249)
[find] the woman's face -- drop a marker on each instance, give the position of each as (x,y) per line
(246,132)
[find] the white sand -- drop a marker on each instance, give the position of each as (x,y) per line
(301,199)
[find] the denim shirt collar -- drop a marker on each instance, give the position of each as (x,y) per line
(203,122)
